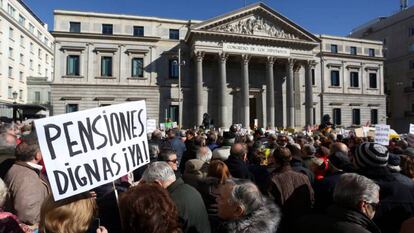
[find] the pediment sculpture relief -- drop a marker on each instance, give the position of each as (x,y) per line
(255,25)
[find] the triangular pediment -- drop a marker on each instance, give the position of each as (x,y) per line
(257,20)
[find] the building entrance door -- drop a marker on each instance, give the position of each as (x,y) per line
(253,111)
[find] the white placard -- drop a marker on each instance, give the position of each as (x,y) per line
(86,149)
(255,50)
(382,133)
(411,129)
(151,125)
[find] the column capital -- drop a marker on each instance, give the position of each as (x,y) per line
(271,60)
(291,62)
(310,63)
(246,59)
(223,57)
(199,55)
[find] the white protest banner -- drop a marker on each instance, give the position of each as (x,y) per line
(151,125)
(382,133)
(86,149)
(411,129)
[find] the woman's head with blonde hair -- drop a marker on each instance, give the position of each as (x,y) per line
(72,215)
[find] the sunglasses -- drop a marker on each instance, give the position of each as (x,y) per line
(374,205)
(173,161)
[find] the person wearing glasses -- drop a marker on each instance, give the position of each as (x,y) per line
(356,199)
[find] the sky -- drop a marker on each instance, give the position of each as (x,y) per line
(332,17)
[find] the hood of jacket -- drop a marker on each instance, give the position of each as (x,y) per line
(264,220)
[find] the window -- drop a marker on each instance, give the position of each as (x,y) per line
(71,108)
(10,92)
(31,28)
(356,116)
(337,116)
(21,94)
(47,58)
(72,65)
(374,116)
(138,31)
(46,40)
(39,53)
(39,68)
(37,97)
(10,73)
(371,52)
(173,113)
(11,10)
(354,79)
(107,29)
(174,34)
(313,77)
(11,32)
(173,68)
(21,59)
(314,116)
(411,47)
(22,20)
(334,48)
(10,53)
(48,97)
(372,80)
(353,50)
(74,27)
(22,41)
(106,66)
(31,64)
(335,78)
(21,76)
(411,31)
(39,35)
(31,47)
(137,67)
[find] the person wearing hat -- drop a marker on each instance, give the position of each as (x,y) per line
(397,190)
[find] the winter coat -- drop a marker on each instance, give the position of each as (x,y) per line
(261,177)
(396,198)
(27,192)
(264,220)
(293,192)
(191,208)
(336,220)
(238,168)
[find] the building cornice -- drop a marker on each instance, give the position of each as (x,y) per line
(98,36)
(358,57)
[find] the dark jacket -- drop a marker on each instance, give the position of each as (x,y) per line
(238,168)
(191,208)
(189,153)
(396,198)
(293,192)
(336,220)
(264,220)
(261,177)
(324,189)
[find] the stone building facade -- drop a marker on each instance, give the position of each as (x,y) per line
(252,65)
(397,34)
(26,50)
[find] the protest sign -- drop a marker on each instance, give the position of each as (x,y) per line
(151,125)
(86,149)
(382,133)
(411,129)
(359,132)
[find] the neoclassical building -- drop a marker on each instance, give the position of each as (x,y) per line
(251,66)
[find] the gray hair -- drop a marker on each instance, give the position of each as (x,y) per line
(204,154)
(246,195)
(3,193)
(158,171)
(353,188)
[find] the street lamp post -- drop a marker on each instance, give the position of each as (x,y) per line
(180,104)
(14,104)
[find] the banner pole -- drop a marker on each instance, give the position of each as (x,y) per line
(117,202)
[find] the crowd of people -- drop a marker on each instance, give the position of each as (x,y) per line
(214,181)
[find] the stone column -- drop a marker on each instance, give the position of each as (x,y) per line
(222,91)
(245,91)
(308,93)
(199,88)
(290,108)
(270,93)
